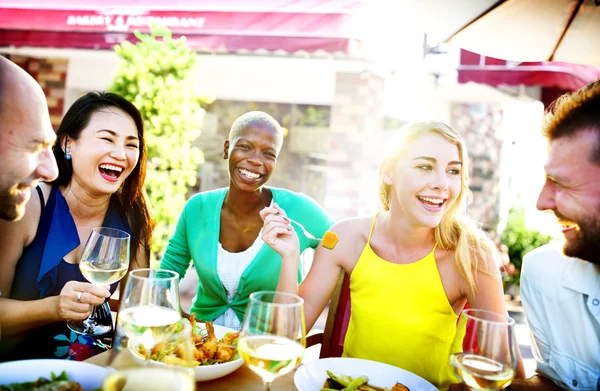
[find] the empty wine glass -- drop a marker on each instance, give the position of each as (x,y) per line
(486,356)
(104,260)
(273,335)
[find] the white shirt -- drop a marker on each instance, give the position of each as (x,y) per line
(561,298)
(230,267)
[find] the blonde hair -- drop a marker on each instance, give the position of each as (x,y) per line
(457,231)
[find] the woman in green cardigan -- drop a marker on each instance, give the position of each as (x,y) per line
(220,230)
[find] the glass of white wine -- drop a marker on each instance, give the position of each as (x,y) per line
(170,368)
(485,356)
(273,335)
(153,348)
(104,260)
(150,304)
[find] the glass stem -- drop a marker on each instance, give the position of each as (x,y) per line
(148,353)
(90,321)
(267,386)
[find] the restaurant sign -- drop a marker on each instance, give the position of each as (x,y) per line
(129,22)
(110,20)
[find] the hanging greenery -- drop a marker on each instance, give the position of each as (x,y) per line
(159,75)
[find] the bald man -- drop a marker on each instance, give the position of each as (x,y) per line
(26,139)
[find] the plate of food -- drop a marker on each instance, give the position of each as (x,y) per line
(52,373)
(357,374)
(215,351)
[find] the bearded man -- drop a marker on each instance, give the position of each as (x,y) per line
(561,289)
(26,139)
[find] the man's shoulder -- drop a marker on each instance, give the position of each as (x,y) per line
(545,268)
(547,259)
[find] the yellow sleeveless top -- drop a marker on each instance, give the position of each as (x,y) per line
(400,315)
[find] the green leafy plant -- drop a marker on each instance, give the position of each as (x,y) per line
(520,240)
(159,75)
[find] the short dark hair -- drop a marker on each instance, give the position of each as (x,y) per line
(254,118)
(575,112)
(131,196)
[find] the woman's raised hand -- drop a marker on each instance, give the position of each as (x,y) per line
(76,298)
(279,234)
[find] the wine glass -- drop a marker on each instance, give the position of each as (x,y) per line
(153,348)
(171,367)
(104,260)
(273,335)
(485,350)
(150,305)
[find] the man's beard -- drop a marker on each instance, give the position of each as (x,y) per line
(9,210)
(586,244)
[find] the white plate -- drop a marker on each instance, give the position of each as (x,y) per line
(88,375)
(312,375)
(207,372)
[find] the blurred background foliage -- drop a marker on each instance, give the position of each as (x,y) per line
(520,240)
(159,75)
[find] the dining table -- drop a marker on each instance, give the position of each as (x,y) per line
(241,379)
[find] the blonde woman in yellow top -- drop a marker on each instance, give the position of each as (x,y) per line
(413,266)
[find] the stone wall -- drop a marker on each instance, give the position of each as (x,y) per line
(51,74)
(479,125)
(357,138)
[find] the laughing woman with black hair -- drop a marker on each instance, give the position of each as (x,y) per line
(101,156)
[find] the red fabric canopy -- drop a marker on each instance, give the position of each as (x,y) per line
(308,25)
(495,72)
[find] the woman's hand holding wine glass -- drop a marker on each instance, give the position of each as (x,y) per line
(104,260)
(76,299)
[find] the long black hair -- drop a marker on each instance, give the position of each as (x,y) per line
(131,195)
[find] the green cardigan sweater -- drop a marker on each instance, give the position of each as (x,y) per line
(196,238)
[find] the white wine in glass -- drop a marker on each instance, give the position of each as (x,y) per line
(104,260)
(150,305)
(486,359)
(131,370)
(273,336)
(150,315)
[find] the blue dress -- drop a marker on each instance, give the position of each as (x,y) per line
(42,272)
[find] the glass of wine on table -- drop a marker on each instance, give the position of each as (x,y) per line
(104,261)
(149,328)
(273,335)
(485,356)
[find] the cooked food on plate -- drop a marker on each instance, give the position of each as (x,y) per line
(347,383)
(55,383)
(208,350)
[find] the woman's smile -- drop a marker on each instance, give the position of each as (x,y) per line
(110,172)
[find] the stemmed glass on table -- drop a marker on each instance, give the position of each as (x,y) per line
(104,260)
(486,356)
(148,326)
(273,335)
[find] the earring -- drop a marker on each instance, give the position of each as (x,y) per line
(67,151)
